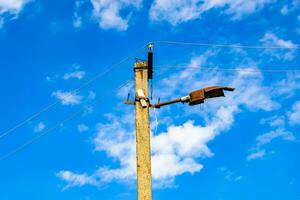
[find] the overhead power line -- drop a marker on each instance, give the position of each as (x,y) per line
(57,125)
(295,47)
(84,85)
(232,69)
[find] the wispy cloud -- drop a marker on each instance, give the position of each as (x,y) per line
(108,13)
(67,98)
(39,127)
(13,6)
(82,128)
(284,10)
(76,74)
(10,9)
(77,18)
(289,7)
(294,114)
(177,150)
(256,155)
(270,39)
(288,86)
(278,124)
(229,175)
(75,179)
(174,152)
(270,136)
(179,11)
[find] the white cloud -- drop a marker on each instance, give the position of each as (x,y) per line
(92,95)
(74,179)
(120,146)
(270,136)
(39,127)
(277,122)
(9,9)
(274,121)
(256,154)
(271,39)
(284,10)
(290,7)
(108,13)
(186,143)
(180,147)
(82,128)
(248,85)
(77,19)
(229,175)
(175,12)
(77,22)
(178,11)
(13,6)
(67,98)
(52,78)
(174,152)
(238,8)
(76,74)
(294,114)
(288,86)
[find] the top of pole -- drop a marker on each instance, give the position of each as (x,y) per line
(150,61)
(150,46)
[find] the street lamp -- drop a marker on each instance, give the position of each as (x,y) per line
(198,96)
(143,71)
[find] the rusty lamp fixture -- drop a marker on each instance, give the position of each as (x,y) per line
(198,96)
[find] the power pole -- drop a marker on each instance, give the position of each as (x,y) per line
(143,152)
(143,71)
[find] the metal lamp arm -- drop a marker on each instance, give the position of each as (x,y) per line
(182,99)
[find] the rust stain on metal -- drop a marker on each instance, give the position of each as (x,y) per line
(166,103)
(198,96)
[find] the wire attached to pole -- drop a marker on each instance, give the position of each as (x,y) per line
(75,91)
(296,47)
(156,122)
(56,126)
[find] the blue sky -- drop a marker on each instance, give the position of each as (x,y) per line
(243,146)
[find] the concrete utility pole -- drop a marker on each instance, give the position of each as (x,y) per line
(143,153)
(143,71)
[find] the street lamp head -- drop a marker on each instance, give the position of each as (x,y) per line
(198,96)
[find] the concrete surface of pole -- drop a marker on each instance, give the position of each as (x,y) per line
(143,152)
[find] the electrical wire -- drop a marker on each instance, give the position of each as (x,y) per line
(84,85)
(295,47)
(56,126)
(156,121)
(109,69)
(232,69)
